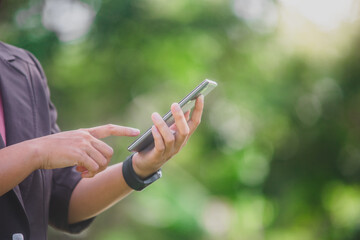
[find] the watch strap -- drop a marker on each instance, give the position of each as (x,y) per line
(133,180)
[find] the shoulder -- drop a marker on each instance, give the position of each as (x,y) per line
(9,52)
(10,48)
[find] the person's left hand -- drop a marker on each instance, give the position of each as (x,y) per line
(168,140)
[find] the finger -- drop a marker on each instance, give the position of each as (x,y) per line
(80,169)
(89,164)
(84,172)
(197,113)
(103,148)
(164,130)
(187,117)
(112,130)
(87,174)
(96,156)
(158,141)
(181,125)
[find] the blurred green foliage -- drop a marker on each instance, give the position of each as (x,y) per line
(277,154)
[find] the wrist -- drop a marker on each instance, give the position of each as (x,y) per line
(142,171)
(34,152)
(37,153)
(133,180)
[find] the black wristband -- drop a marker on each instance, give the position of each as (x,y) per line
(133,180)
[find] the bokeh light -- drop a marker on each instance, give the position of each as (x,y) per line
(276,155)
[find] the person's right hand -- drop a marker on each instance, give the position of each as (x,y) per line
(81,148)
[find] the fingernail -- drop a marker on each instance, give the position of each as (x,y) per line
(81,169)
(177,107)
(134,131)
(157,117)
(85,174)
(154,129)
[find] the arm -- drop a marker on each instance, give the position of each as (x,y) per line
(17,162)
(80,147)
(85,201)
(110,184)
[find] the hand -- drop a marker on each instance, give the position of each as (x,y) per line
(168,140)
(81,148)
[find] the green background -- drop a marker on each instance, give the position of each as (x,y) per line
(276,155)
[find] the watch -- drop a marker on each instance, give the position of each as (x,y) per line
(133,180)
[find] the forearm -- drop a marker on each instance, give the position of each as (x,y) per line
(17,162)
(94,195)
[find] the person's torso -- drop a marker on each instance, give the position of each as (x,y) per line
(24,210)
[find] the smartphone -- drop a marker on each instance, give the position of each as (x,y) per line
(146,140)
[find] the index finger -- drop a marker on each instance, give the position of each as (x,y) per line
(112,130)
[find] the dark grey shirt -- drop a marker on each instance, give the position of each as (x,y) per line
(43,197)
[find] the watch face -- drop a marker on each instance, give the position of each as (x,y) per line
(153,177)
